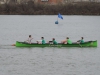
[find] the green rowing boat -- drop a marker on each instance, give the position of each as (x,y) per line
(86,44)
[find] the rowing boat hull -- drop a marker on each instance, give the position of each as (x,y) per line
(86,44)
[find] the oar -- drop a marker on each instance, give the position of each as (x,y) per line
(80,45)
(13,45)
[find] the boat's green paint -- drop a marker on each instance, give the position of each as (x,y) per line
(86,44)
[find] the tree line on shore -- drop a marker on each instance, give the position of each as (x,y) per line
(44,9)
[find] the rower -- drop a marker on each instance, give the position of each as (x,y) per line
(81,41)
(42,41)
(29,39)
(66,41)
(69,41)
(54,41)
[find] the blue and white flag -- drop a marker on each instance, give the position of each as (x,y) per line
(60,16)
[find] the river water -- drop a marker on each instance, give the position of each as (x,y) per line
(48,61)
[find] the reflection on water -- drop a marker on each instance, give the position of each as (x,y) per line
(53,60)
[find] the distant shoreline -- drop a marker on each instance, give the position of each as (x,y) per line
(40,9)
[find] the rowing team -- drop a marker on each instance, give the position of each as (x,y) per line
(42,41)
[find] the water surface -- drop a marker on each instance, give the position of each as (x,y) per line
(48,61)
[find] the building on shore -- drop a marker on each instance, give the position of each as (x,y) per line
(45,1)
(82,0)
(52,2)
(15,1)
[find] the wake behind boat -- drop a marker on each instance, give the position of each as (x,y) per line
(85,44)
